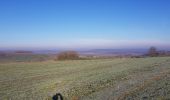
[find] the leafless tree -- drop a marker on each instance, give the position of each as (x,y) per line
(153,52)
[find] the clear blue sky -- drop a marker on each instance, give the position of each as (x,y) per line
(84,23)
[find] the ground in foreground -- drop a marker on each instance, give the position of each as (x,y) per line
(100,79)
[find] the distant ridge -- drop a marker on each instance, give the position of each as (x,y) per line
(97,52)
(112,52)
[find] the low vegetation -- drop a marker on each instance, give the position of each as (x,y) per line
(68,55)
(21,57)
(98,79)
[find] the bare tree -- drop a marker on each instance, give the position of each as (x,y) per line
(153,52)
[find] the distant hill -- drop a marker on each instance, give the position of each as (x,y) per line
(100,52)
(95,52)
(114,52)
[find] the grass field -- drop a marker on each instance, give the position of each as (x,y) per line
(100,79)
(23,58)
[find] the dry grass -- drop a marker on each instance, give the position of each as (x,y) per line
(74,79)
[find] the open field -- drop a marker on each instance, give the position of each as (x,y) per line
(23,57)
(99,79)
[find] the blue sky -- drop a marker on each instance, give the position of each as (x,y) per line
(84,23)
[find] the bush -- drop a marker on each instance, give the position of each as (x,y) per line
(68,55)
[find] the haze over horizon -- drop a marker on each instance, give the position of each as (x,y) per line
(84,24)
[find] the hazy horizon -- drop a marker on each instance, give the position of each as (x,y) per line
(84,24)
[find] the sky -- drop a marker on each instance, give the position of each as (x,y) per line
(69,24)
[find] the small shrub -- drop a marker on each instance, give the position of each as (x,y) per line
(68,55)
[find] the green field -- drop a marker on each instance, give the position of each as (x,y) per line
(99,79)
